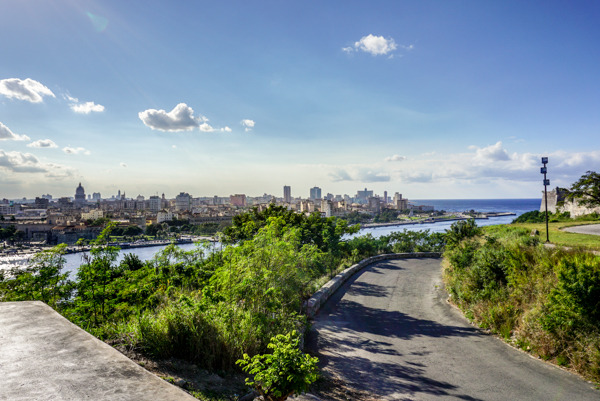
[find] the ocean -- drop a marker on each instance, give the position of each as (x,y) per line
(517,206)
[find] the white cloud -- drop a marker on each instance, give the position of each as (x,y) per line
(490,153)
(20,162)
(181,118)
(205,127)
(43,143)
(7,135)
(248,124)
(87,108)
(76,151)
(395,158)
(28,89)
(359,174)
(375,45)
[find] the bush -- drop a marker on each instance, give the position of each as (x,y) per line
(284,372)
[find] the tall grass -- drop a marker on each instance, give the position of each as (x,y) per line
(546,301)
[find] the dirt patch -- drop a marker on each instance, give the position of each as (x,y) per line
(202,384)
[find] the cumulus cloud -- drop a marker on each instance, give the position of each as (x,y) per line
(181,118)
(7,135)
(492,153)
(87,108)
(248,124)
(43,143)
(20,162)
(76,151)
(28,89)
(375,45)
(395,158)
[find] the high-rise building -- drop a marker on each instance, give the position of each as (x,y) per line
(385,198)
(287,194)
(363,196)
(315,193)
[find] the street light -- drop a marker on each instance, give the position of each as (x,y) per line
(544,170)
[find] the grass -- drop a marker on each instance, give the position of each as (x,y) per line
(559,237)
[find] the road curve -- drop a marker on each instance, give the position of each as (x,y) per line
(389,331)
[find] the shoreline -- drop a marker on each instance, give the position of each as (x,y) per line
(431,220)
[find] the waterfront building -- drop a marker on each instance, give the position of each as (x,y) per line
(399,203)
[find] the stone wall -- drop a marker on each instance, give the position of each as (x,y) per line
(574,208)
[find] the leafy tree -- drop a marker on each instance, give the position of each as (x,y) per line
(42,280)
(94,293)
(586,190)
(323,232)
(284,372)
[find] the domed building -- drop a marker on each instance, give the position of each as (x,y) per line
(79,196)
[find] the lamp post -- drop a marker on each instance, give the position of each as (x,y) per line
(544,170)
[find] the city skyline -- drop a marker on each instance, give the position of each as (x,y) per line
(436,100)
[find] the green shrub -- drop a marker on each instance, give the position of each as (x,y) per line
(284,372)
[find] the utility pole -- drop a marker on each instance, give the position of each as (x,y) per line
(544,170)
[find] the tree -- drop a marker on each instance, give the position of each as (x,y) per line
(282,373)
(586,190)
(42,280)
(94,293)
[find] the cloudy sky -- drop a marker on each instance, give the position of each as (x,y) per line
(432,99)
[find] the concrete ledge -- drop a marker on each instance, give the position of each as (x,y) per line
(320,297)
(43,356)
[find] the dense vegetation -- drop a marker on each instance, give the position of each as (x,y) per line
(546,301)
(207,305)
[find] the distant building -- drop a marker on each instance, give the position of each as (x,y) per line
(237,200)
(183,202)
(79,196)
(92,215)
(96,196)
(399,203)
(287,194)
(326,208)
(363,196)
(315,193)
(385,198)
(154,204)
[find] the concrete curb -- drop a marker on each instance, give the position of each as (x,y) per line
(320,297)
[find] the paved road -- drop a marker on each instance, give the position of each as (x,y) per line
(390,331)
(593,229)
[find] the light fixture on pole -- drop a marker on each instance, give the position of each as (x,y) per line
(544,170)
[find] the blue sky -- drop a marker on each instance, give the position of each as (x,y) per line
(432,99)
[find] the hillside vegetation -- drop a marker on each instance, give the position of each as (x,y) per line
(546,301)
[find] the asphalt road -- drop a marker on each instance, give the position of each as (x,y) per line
(389,331)
(593,229)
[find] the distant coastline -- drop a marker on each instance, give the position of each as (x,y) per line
(430,220)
